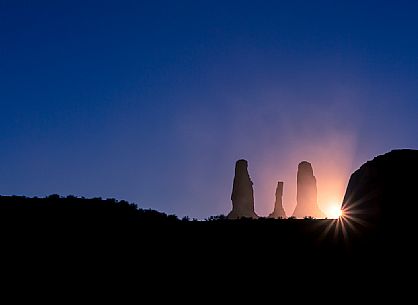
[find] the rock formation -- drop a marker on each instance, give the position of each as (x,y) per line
(382,194)
(278,211)
(242,193)
(307,204)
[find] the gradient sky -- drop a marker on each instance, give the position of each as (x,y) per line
(154,101)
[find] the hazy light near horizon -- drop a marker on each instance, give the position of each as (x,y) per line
(331,155)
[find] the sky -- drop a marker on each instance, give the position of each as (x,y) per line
(154,101)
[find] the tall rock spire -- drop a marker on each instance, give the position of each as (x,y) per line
(242,193)
(278,211)
(307,204)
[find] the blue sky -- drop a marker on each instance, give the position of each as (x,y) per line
(154,101)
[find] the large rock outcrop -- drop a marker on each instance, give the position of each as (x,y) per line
(307,204)
(278,211)
(242,193)
(382,195)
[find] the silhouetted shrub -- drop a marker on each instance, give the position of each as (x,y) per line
(216,218)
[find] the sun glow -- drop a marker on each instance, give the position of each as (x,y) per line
(334,212)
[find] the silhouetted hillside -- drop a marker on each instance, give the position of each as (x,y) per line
(110,220)
(87,222)
(71,211)
(105,226)
(378,227)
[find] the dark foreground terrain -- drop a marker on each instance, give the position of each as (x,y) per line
(70,246)
(82,226)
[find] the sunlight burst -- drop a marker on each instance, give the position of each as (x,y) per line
(335,212)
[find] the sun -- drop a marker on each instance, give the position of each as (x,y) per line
(335,212)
